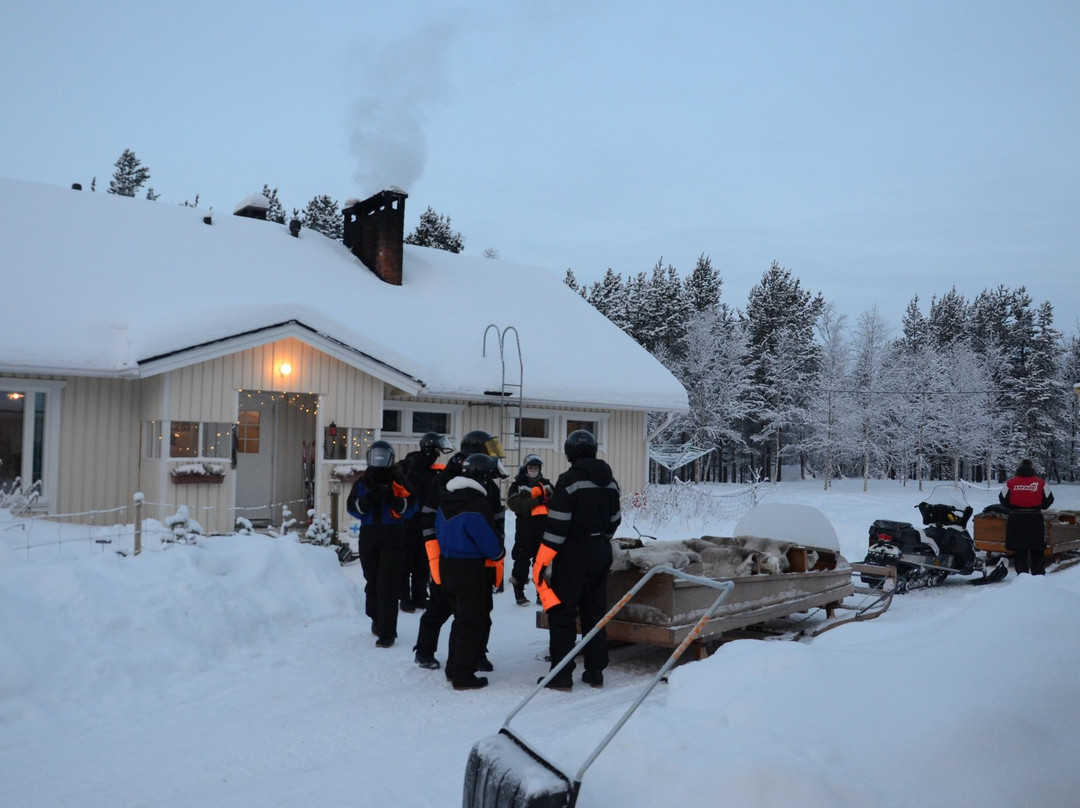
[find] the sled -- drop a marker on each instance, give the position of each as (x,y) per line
(505,771)
(1062,536)
(817,577)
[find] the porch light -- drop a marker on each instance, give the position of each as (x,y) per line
(285,369)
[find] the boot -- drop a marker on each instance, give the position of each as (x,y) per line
(519,595)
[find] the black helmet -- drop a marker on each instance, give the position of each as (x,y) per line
(479,441)
(380,455)
(481,467)
(579,444)
(530,460)
(433,444)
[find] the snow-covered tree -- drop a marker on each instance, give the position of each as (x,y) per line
(323,216)
(608,296)
(434,231)
(780,317)
(130,175)
(276,211)
(703,285)
(571,280)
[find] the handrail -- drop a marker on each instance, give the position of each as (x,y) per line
(725,586)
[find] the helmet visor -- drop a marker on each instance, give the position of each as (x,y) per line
(444,445)
(380,457)
(493,446)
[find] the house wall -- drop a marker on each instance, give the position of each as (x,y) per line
(101,463)
(99,448)
(623,447)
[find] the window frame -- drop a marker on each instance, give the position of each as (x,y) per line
(50,433)
(408,433)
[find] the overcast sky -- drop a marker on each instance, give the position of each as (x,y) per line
(878,150)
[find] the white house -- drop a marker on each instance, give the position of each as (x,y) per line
(140,337)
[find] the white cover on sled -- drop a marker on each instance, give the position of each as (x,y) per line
(799,524)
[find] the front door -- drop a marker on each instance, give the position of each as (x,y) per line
(256,433)
(275,455)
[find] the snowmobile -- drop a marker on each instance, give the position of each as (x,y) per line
(927,556)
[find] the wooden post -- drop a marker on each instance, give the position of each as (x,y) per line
(138,523)
(334,497)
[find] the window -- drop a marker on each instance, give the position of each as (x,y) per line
(29,432)
(532,428)
(346,443)
(248,432)
(401,419)
(391,420)
(576,423)
(190,439)
(430,422)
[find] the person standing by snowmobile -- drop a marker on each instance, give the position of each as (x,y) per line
(420,469)
(528,497)
(382,503)
(438,608)
(1026,495)
(468,544)
(572,564)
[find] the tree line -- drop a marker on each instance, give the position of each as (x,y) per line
(963,392)
(321,214)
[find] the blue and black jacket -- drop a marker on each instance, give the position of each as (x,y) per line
(465,522)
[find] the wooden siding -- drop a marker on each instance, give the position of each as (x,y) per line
(100,458)
(99,447)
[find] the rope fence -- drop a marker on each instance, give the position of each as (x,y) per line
(122,529)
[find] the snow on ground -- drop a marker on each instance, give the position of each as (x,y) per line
(242,671)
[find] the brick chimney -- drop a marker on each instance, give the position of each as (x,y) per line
(375,231)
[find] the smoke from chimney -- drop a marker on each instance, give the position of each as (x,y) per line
(400,83)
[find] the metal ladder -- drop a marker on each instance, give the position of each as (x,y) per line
(506,414)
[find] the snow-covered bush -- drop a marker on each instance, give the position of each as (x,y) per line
(244,526)
(319,530)
(183,529)
(17,500)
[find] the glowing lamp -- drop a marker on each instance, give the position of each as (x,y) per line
(285,368)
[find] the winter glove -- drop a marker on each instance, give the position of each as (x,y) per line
(498,567)
(541,574)
(433,555)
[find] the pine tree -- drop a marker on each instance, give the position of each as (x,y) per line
(571,280)
(130,175)
(434,231)
(780,318)
(608,296)
(703,285)
(323,216)
(948,318)
(914,325)
(276,211)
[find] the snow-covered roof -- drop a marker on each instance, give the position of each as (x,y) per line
(98,284)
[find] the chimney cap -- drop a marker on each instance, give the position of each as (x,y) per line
(253,206)
(391,194)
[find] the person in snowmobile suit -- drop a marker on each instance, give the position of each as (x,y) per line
(420,469)
(438,608)
(1026,495)
(382,502)
(572,564)
(528,497)
(468,543)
